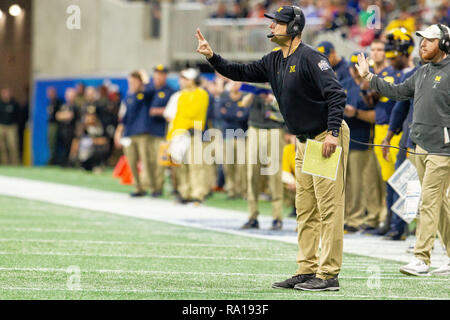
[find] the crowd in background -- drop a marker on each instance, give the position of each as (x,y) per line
(81,126)
(351,16)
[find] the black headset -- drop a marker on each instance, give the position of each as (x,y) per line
(296,26)
(444,41)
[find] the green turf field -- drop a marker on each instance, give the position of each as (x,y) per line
(128,258)
(106,182)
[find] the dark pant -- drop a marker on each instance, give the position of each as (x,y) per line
(397,225)
(97,158)
(220,176)
(62,152)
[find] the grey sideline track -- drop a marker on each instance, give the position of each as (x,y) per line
(203,217)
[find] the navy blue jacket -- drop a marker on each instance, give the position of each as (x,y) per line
(359,130)
(310,97)
(231,118)
(160,98)
(136,119)
(341,70)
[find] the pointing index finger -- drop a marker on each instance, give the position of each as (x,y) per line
(200,34)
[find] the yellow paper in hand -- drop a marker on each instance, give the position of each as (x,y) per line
(317,165)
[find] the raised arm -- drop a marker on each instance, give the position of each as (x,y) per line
(252,72)
(397,92)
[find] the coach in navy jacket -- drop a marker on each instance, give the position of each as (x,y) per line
(312,102)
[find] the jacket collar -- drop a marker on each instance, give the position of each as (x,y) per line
(442,63)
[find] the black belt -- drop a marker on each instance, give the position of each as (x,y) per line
(302,137)
(311,135)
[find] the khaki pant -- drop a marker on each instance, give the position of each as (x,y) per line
(210,180)
(210,177)
(289,197)
(264,186)
(156,173)
(257,140)
(375,193)
(355,187)
(139,150)
(191,176)
(235,171)
(320,213)
(434,208)
(363,190)
(9,144)
(387,166)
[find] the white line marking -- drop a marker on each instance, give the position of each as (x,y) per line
(42,230)
(136,243)
(226,274)
(142,256)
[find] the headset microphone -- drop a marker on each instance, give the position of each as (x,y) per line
(279,35)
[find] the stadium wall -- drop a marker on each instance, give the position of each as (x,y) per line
(114,37)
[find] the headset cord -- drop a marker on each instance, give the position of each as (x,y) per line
(411,152)
(286,67)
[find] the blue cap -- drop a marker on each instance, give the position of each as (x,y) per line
(354,58)
(325,47)
(286,14)
(161,68)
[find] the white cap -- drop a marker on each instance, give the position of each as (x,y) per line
(432,32)
(190,74)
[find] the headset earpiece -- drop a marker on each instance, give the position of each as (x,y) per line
(294,27)
(444,42)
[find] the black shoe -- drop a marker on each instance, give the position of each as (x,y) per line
(317,284)
(251,224)
(157,194)
(291,282)
(276,225)
(349,229)
(181,200)
(394,235)
(377,232)
(367,228)
(138,194)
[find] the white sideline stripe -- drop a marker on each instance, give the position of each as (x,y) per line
(168,212)
(226,274)
(174,244)
(331,295)
(71,231)
(41,230)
